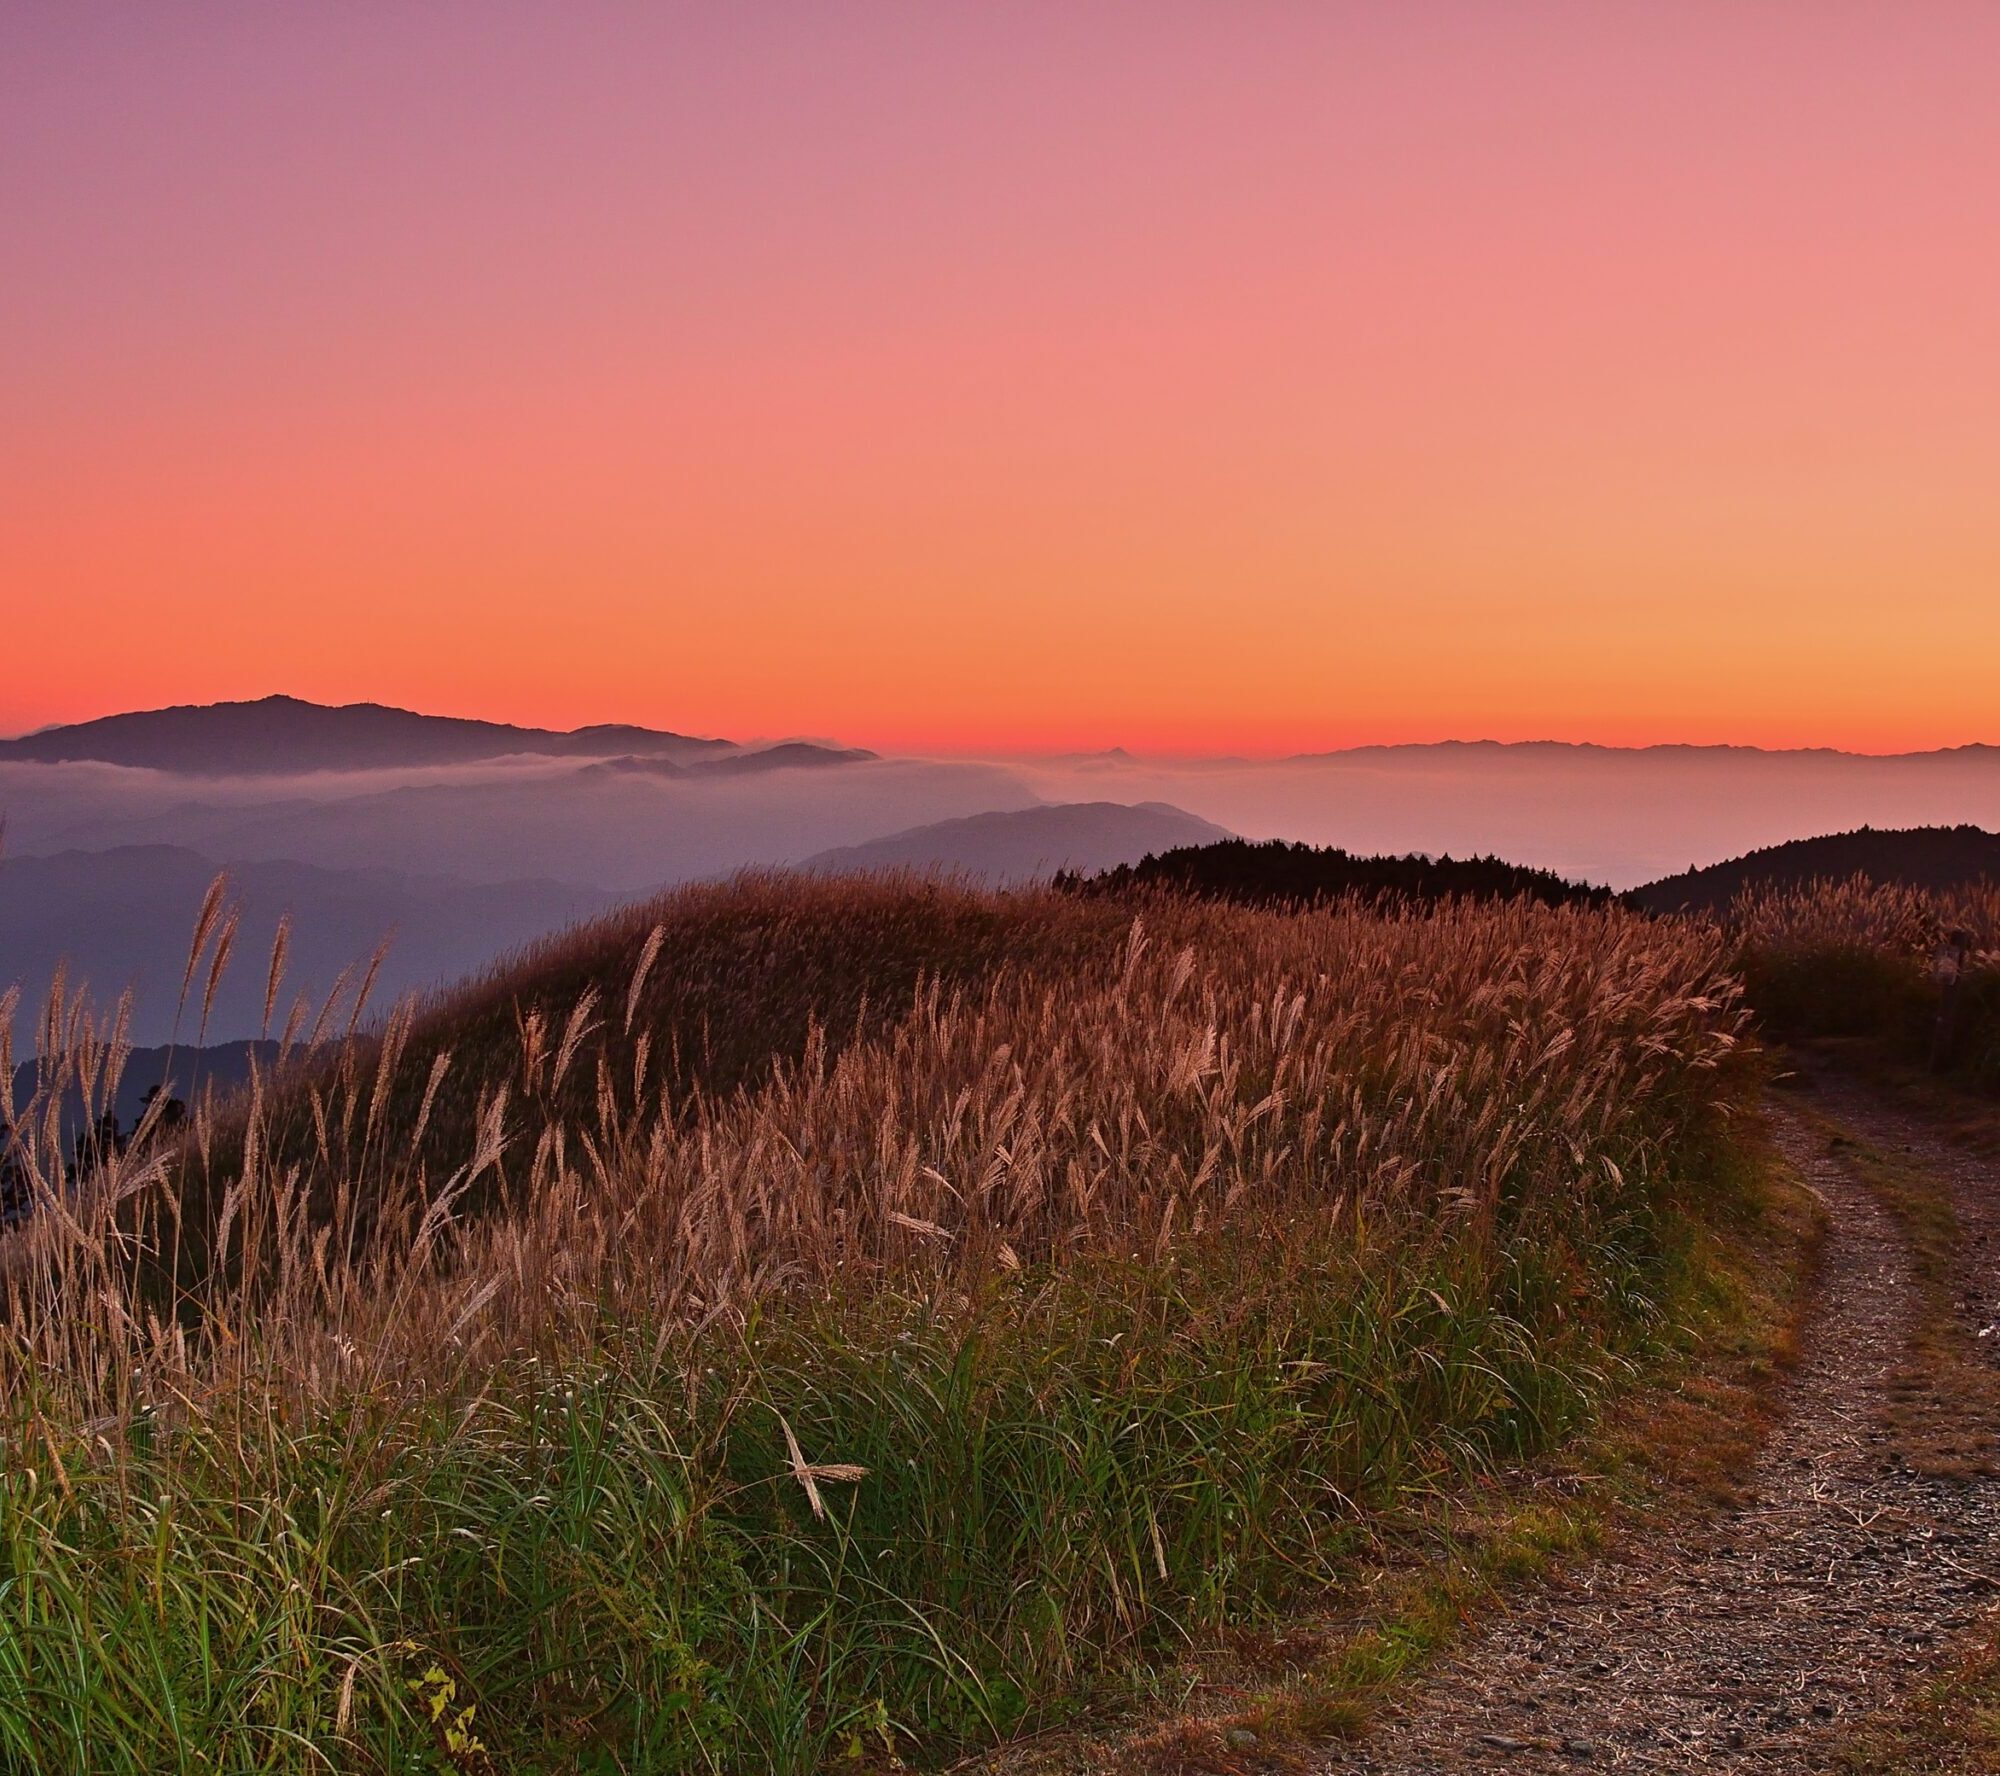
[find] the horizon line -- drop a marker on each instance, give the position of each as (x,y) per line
(1054,753)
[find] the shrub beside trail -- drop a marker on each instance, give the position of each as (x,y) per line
(1916,971)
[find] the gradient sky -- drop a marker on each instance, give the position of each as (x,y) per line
(1237,378)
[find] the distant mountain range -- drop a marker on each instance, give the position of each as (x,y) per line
(185,1072)
(1940,857)
(123,917)
(279,735)
(1659,749)
(274,736)
(468,838)
(1027,844)
(788,755)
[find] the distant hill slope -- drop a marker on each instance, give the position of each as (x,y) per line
(1276,873)
(787,755)
(1917,856)
(1026,844)
(122,917)
(186,1072)
(277,735)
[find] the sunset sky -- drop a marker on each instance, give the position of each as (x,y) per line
(1233,378)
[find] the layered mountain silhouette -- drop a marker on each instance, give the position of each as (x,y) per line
(185,1073)
(1977,751)
(1941,857)
(1027,844)
(787,755)
(1599,813)
(281,735)
(122,918)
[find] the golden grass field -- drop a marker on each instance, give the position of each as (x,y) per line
(800,1322)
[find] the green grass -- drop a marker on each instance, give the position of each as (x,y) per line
(619,1567)
(869,1403)
(1951,1727)
(1671,1441)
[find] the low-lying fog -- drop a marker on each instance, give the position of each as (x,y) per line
(602,826)
(1601,814)
(466,861)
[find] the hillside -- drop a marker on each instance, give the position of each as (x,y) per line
(1026,844)
(279,735)
(787,755)
(1274,873)
(1939,858)
(851,1312)
(1617,815)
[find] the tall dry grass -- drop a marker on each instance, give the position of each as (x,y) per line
(1857,958)
(1208,1063)
(1032,1277)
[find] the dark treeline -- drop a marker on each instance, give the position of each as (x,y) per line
(1941,858)
(1277,873)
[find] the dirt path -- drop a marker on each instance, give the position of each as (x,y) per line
(1746,1642)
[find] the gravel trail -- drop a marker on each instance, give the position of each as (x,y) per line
(1746,1641)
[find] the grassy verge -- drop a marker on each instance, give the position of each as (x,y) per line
(1856,961)
(868,1531)
(1676,1437)
(1951,1727)
(882,1530)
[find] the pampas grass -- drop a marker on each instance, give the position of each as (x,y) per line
(799,1317)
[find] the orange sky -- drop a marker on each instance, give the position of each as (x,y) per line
(1197,378)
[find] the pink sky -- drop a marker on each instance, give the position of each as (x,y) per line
(1231,378)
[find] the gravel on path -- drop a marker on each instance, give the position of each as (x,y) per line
(1744,1642)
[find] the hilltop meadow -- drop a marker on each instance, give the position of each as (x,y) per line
(798,1324)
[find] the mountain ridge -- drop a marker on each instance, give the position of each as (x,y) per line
(279,735)
(1653,748)
(1935,857)
(1025,844)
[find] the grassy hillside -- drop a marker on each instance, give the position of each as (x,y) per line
(1939,859)
(1914,971)
(801,1324)
(1886,935)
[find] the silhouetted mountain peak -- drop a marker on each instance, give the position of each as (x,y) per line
(280,735)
